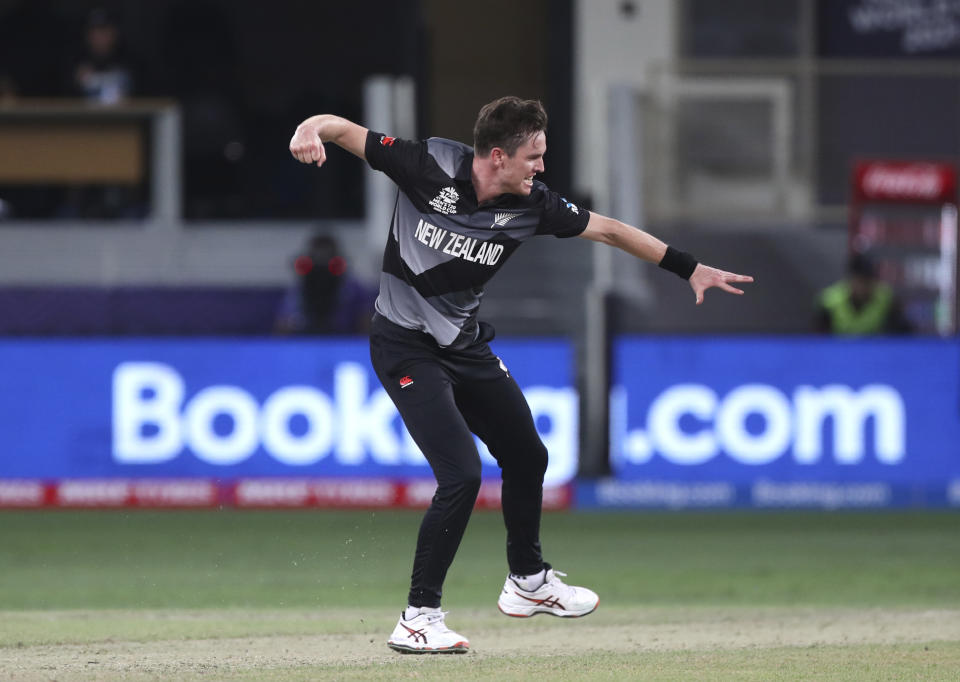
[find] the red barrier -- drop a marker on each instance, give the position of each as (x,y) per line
(247,493)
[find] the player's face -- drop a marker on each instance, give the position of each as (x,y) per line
(517,171)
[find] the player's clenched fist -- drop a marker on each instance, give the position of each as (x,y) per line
(307,147)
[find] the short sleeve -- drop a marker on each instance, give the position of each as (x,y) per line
(400,159)
(560,217)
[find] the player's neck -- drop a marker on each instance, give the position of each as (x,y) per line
(484,181)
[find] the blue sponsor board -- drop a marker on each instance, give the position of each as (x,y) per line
(225,409)
(796,422)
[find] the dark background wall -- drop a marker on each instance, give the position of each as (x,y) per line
(246,72)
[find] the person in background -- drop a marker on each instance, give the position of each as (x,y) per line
(860,304)
(325,298)
(105,71)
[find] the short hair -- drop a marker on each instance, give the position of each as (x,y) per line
(861,265)
(506,123)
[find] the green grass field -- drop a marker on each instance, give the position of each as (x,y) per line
(314,594)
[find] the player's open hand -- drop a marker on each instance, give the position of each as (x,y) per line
(704,277)
(307,147)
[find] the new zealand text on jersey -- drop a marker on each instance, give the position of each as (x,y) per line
(464,248)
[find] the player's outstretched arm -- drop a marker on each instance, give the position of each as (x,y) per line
(306,145)
(644,245)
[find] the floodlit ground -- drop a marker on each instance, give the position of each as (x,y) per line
(313,595)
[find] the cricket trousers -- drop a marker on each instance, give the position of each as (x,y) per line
(444,396)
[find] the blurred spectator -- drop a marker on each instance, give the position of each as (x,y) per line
(860,304)
(325,299)
(105,71)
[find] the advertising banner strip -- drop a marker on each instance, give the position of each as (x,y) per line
(783,422)
(237,409)
(905,181)
(249,493)
(762,494)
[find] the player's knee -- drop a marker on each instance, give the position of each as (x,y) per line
(471,482)
(460,495)
(465,482)
(530,465)
(538,460)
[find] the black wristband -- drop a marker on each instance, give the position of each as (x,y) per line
(678,262)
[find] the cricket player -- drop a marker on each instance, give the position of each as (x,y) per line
(461,211)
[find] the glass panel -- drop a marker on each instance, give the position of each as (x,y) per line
(724,154)
(720,137)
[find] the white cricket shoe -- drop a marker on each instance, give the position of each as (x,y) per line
(426,633)
(554,597)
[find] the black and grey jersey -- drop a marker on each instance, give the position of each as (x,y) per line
(443,247)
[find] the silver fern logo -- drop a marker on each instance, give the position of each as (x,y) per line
(501,219)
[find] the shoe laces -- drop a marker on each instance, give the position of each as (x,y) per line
(436,620)
(555,581)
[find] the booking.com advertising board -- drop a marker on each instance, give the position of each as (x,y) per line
(695,422)
(246,423)
(783,422)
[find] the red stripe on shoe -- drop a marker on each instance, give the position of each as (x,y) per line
(550,602)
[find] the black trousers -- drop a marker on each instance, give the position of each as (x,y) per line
(444,396)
